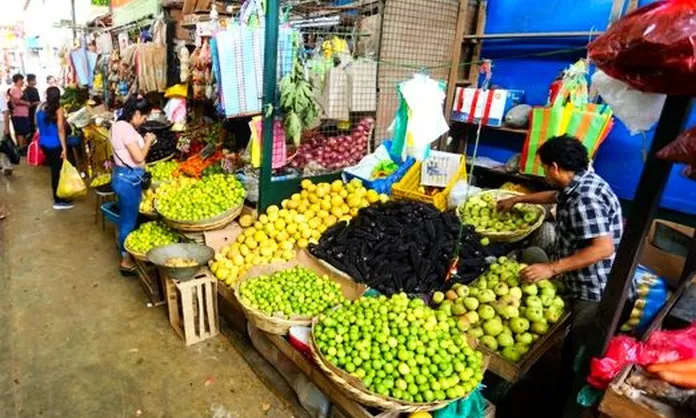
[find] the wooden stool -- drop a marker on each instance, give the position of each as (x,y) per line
(193,306)
(102,197)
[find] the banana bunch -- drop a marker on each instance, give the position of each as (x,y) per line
(297,102)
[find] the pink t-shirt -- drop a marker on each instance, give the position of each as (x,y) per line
(18,110)
(122,134)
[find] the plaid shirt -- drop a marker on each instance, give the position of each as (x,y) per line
(587,209)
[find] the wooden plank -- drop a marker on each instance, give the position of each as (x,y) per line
(456,58)
(476,55)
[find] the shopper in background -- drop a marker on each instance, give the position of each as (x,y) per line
(588,229)
(20,110)
(31,95)
(130,150)
(50,120)
(5,164)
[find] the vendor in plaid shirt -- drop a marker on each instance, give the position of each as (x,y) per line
(588,230)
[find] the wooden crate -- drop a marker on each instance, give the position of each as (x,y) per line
(621,400)
(193,307)
(151,281)
(512,372)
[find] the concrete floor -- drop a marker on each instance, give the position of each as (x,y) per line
(78,340)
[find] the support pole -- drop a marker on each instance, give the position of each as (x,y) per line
(270,60)
(645,205)
(74,20)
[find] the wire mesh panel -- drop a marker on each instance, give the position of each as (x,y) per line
(416,34)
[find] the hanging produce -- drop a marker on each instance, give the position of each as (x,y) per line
(402,246)
(334,153)
(297,103)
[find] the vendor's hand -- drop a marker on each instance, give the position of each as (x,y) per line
(506,205)
(537,272)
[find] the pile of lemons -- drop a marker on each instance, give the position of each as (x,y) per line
(276,235)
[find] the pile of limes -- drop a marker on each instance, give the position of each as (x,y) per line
(209,197)
(163,171)
(400,348)
(150,235)
(301,219)
(293,292)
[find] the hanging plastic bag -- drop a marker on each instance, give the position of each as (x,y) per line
(682,149)
(70,185)
(622,350)
(637,110)
(652,48)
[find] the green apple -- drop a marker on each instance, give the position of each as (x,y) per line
(545,284)
(515,292)
(486,296)
(463,323)
(473,317)
(445,307)
(490,342)
(481,283)
(553,315)
(505,339)
(451,295)
(438,297)
(511,353)
(493,281)
(540,327)
(473,291)
(486,312)
(458,309)
(509,312)
(463,291)
(471,303)
(521,348)
(510,278)
(534,314)
(533,302)
(530,289)
(476,332)
(493,327)
(558,302)
(519,325)
(525,338)
(501,289)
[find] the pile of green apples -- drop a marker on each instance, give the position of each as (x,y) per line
(500,312)
(481,212)
(212,196)
(400,348)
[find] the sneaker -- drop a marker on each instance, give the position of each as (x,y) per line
(63,206)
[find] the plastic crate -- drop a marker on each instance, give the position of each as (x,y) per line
(383,185)
(407,188)
(111,212)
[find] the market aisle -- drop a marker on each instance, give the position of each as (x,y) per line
(77,340)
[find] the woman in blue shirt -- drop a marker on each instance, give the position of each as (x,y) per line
(51,123)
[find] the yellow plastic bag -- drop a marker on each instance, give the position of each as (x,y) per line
(70,184)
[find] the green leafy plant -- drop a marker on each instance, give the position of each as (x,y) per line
(297,103)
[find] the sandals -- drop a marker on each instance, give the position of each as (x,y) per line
(128,271)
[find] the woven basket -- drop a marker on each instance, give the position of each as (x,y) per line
(355,390)
(136,255)
(510,236)
(216,222)
(268,323)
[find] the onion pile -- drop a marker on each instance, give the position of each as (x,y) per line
(334,153)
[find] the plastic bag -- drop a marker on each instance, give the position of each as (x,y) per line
(682,149)
(35,155)
(459,193)
(518,116)
(669,346)
(70,185)
(8,147)
(473,406)
(652,48)
(637,110)
(622,350)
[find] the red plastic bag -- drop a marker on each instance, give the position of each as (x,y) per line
(35,155)
(682,149)
(653,48)
(622,350)
(669,346)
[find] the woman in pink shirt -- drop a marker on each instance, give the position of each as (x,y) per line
(130,150)
(20,110)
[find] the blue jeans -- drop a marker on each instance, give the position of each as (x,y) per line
(126,183)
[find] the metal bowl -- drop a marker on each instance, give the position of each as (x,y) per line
(200,253)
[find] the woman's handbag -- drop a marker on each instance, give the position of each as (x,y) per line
(8,147)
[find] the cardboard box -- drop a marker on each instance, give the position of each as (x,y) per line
(665,249)
(472,105)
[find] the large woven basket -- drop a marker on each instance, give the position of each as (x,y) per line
(216,222)
(134,254)
(355,389)
(509,236)
(269,323)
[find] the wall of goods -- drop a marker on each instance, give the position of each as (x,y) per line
(376,268)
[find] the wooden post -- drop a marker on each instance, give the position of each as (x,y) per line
(646,203)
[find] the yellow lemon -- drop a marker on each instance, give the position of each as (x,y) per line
(336,200)
(272,217)
(326,204)
(238,260)
(293,204)
(272,209)
(291,228)
(244,250)
(330,220)
(302,243)
(263,219)
(354,212)
(282,236)
(279,224)
(353,201)
(286,245)
(313,198)
(304,194)
(336,186)
(372,196)
(383,198)
(258,225)
(343,193)
(337,211)
(246,221)
(296,197)
(241,238)
(251,243)
(322,214)
(249,232)
(260,236)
